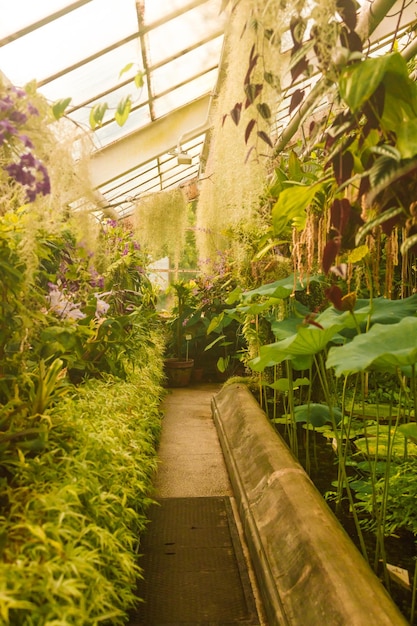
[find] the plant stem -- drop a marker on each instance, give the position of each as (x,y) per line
(341,464)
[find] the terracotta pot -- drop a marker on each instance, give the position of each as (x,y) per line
(178,372)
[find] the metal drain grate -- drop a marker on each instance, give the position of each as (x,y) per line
(194,567)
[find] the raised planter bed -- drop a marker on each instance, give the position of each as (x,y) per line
(308,569)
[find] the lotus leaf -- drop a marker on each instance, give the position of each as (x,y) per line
(316,414)
(385,311)
(279,289)
(409,430)
(379,439)
(285,328)
(283,384)
(383,347)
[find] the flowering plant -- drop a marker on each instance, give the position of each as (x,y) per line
(101,299)
(24,169)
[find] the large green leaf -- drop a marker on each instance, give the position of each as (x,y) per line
(285,384)
(383,175)
(380,439)
(254,308)
(409,430)
(306,342)
(400,103)
(381,218)
(384,311)
(407,139)
(359,81)
(285,328)
(317,414)
(383,347)
(278,289)
(291,206)
(368,312)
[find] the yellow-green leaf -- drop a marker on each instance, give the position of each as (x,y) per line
(123,110)
(291,206)
(139,80)
(358,254)
(125,69)
(59,107)
(97,114)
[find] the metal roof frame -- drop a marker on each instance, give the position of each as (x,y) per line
(151,146)
(141,158)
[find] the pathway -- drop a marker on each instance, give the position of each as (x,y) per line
(195,561)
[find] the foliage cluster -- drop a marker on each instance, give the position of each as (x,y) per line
(322,370)
(77,334)
(72,516)
(196,325)
(339,206)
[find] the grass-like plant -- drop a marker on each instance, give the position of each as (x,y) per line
(72,516)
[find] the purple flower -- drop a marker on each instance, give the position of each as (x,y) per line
(20,93)
(18,117)
(31,174)
(21,174)
(96,280)
(6,103)
(32,109)
(26,141)
(6,129)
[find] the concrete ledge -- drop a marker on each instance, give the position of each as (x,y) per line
(309,571)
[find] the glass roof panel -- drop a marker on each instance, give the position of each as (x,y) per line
(53,47)
(96,77)
(182,32)
(29,13)
(77,49)
(187,66)
(185,93)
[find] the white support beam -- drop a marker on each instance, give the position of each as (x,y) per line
(156,139)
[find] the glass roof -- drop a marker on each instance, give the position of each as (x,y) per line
(81,49)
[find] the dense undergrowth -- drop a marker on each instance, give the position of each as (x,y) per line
(72,516)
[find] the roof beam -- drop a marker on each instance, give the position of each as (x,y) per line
(152,68)
(156,139)
(117,44)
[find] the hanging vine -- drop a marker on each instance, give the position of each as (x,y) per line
(160,223)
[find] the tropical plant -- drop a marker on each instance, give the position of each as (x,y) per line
(177,320)
(73,515)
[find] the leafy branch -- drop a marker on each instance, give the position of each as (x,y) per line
(99,110)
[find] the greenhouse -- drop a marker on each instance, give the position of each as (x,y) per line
(208,347)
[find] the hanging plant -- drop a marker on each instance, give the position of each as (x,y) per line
(160,223)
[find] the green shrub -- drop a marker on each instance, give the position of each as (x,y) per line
(72,516)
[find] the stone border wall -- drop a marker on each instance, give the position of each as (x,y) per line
(309,571)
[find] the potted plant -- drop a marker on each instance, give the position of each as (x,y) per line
(178,363)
